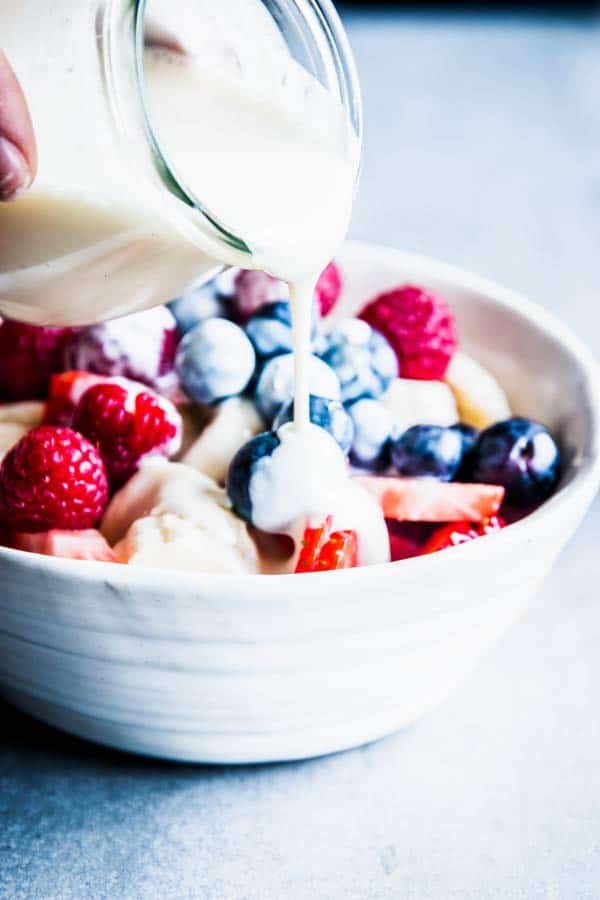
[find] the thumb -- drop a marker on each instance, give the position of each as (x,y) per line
(18,155)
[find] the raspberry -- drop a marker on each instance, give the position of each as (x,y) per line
(329,288)
(420,327)
(66,390)
(29,354)
(140,346)
(53,478)
(254,289)
(126,423)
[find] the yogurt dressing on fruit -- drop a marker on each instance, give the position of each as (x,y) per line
(292,190)
(304,481)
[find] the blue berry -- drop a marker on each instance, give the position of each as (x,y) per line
(428,450)
(522,456)
(215,360)
(362,359)
(242,468)
(468,436)
(327,414)
(275,385)
(373,430)
(196,305)
(270,329)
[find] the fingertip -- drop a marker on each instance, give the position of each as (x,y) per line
(18,151)
(15,174)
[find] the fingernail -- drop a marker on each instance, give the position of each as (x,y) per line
(15,175)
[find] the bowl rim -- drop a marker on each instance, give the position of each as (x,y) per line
(586,478)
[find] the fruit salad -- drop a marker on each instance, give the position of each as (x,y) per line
(167,438)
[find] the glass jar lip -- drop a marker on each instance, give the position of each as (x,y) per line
(346,77)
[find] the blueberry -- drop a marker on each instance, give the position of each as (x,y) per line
(327,414)
(215,360)
(468,436)
(373,429)
(428,450)
(522,456)
(362,359)
(196,305)
(241,469)
(275,385)
(270,329)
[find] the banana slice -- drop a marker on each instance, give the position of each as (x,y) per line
(480,399)
(28,413)
(16,419)
(167,541)
(235,422)
(414,402)
(169,515)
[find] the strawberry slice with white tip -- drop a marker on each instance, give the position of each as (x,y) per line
(324,550)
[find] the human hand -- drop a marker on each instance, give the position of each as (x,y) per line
(18,154)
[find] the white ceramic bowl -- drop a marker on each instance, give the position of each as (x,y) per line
(247,669)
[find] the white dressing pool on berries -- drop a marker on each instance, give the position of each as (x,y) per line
(305,481)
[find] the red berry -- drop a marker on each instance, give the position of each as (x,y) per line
(407,539)
(253,289)
(53,478)
(324,550)
(127,422)
(140,346)
(329,288)
(29,355)
(420,327)
(457,533)
(65,393)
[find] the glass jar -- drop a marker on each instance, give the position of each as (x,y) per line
(130,203)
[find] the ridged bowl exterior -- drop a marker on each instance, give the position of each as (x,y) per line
(248,669)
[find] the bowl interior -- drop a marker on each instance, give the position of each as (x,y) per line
(548,374)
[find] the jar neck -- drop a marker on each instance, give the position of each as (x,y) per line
(313,34)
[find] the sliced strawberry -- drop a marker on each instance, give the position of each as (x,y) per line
(312,543)
(340,552)
(324,550)
(87,544)
(427,500)
(457,533)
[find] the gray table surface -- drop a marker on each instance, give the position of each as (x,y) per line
(483,148)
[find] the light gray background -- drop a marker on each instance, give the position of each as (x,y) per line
(483,148)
